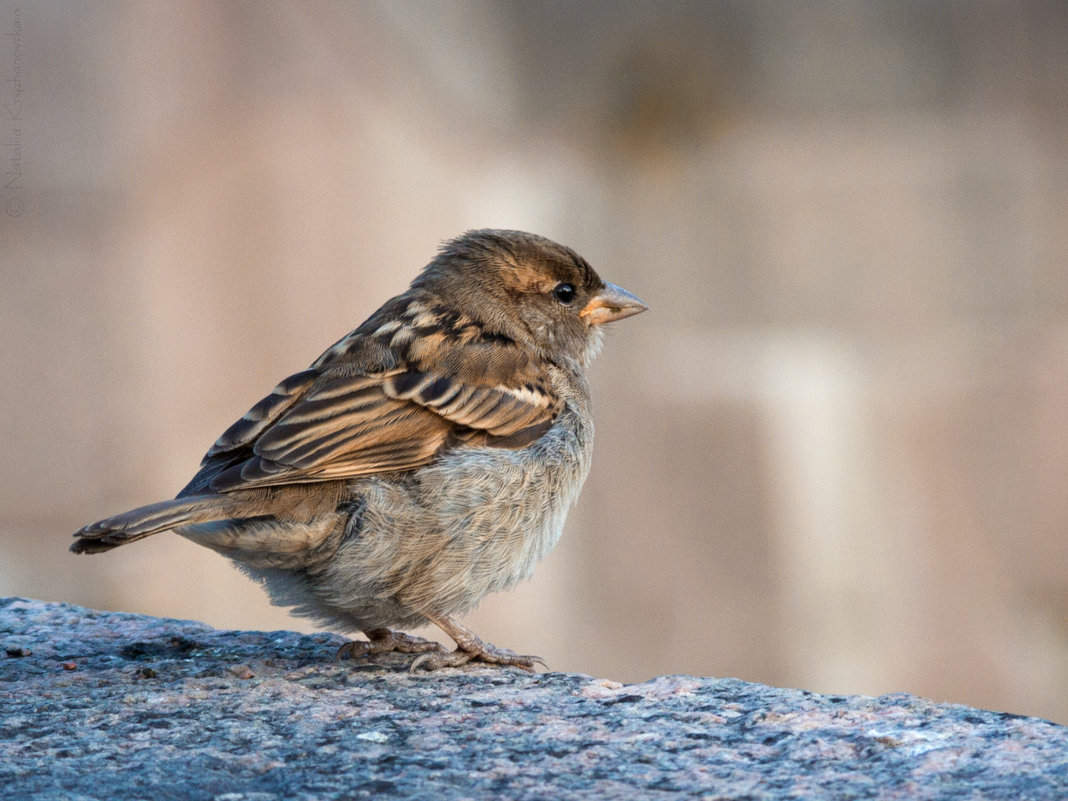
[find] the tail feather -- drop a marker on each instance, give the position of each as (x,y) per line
(148,520)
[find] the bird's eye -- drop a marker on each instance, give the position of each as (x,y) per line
(565,293)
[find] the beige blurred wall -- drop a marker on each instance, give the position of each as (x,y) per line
(835,453)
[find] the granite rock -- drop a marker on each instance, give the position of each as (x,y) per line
(103,705)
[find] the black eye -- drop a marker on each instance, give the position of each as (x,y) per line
(565,293)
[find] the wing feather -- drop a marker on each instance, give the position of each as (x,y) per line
(498,409)
(256,420)
(336,421)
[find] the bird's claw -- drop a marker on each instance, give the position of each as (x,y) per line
(487,653)
(384,641)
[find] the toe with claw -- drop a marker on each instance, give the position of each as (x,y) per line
(384,641)
(471,648)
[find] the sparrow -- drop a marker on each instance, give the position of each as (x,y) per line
(425,460)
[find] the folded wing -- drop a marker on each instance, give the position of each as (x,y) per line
(334,423)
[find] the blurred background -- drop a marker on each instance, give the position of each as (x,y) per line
(834,455)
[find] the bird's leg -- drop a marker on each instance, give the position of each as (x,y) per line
(470,648)
(383,641)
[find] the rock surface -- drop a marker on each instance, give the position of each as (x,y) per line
(102,705)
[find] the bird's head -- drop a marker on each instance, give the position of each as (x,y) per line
(530,289)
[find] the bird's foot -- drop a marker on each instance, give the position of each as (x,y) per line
(487,653)
(471,648)
(384,641)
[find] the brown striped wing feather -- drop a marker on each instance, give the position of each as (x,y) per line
(328,424)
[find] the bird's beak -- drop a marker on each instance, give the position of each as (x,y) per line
(611,303)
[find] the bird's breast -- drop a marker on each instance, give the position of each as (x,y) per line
(477,520)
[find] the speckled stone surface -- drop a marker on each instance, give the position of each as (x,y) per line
(99,705)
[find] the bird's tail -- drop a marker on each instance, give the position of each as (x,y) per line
(148,520)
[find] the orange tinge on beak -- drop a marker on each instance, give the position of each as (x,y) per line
(611,303)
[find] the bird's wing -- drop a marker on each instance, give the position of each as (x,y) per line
(336,422)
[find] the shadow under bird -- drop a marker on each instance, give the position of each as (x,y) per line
(425,460)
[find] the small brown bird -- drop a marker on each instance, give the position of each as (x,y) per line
(423,461)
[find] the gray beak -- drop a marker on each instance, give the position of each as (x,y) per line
(610,304)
